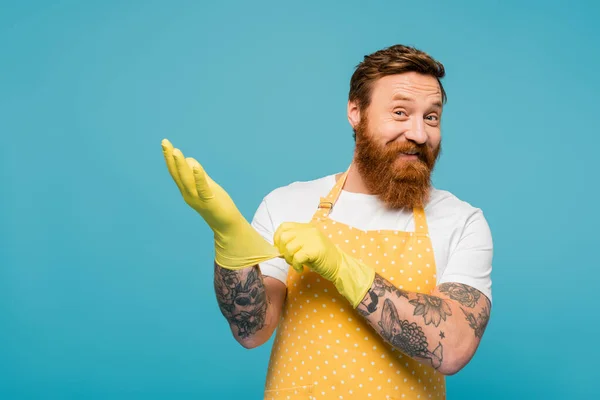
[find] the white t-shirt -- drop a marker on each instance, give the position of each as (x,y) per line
(460,235)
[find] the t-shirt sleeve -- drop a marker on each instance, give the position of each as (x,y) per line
(470,262)
(263,223)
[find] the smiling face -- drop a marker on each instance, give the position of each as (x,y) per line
(398,138)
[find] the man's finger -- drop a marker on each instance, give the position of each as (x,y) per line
(185,173)
(298,268)
(167,149)
(299,259)
(201,180)
(283,228)
(292,245)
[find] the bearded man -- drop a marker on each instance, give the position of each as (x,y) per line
(390,285)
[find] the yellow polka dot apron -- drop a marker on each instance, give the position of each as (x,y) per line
(324,349)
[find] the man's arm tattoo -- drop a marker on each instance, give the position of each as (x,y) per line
(378,289)
(405,331)
(432,308)
(242,299)
(479,323)
(407,336)
(464,294)
(469,297)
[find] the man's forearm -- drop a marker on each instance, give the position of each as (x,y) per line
(442,331)
(243,301)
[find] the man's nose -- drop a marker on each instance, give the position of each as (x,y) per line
(417,131)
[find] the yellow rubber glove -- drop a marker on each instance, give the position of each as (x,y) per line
(237,244)
(304,244)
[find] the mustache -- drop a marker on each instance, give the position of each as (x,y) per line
(421,150)
(398,147)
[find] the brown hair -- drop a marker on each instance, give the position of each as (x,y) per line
(396,59)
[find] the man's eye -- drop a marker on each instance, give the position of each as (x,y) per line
(432,117)
(399,113)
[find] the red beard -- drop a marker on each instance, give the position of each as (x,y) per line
(398,183)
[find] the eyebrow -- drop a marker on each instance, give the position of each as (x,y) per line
(437,104)
(401,97)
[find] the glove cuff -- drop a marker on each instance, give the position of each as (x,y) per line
(354,279)
(242,247)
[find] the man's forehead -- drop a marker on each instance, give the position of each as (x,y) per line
(409,85)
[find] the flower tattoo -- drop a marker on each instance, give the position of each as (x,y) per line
(433,309)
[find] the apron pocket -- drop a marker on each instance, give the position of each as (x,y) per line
(295,393)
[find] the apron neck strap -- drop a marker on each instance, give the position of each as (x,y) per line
(326,203)
(420,221)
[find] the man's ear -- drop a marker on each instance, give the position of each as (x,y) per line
(353,114)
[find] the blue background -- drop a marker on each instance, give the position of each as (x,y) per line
(106,274)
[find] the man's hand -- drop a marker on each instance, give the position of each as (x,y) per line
(304,244)
(237,244)
(198,190)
